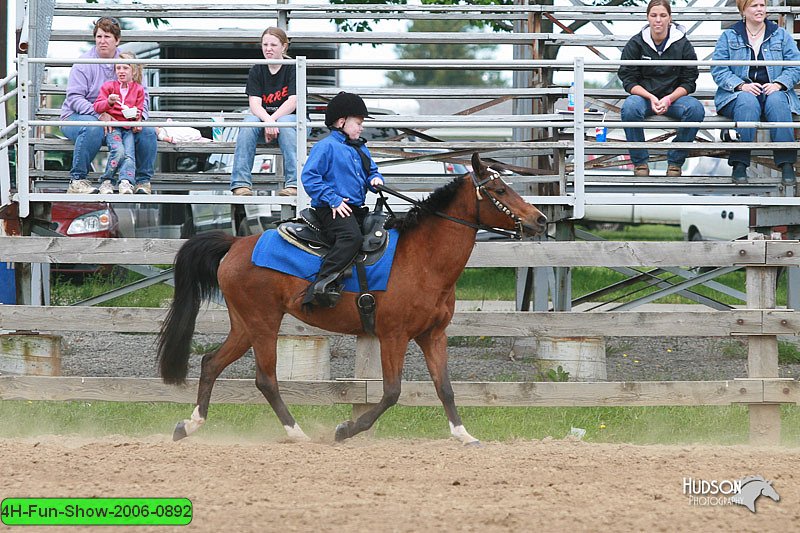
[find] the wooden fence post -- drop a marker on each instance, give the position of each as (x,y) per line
(762,356)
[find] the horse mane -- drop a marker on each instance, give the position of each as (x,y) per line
(436,201)
(748,479)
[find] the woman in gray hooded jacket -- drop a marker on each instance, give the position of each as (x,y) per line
(660,89)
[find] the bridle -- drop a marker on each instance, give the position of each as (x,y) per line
(480,191)
(480,187)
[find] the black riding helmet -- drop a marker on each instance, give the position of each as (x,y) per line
(344,105)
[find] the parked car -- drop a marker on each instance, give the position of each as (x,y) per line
(259,217)
(84,219)
(615,216)
(87,219)
(252,219)
(714,223)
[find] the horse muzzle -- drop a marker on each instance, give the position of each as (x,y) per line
(534,225)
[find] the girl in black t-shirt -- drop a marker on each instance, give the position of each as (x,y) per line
(271,93)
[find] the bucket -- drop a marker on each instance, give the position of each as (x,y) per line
(30,354)
(584,358)
(303,358)
(8,283)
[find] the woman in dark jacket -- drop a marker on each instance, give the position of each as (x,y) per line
(660,89)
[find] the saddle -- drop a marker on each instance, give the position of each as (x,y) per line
(304,232)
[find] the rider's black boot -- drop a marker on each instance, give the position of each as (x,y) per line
(325,292)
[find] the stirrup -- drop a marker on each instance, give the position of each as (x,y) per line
(326,299)
(327,292)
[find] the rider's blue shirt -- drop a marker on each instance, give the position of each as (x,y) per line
(334,171)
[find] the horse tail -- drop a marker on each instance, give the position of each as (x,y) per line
(196,267)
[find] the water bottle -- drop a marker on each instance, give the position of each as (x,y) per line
(571,97)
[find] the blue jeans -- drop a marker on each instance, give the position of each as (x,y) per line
(684,109)
(751,108)
(89,139)
(121,156)
(245,153)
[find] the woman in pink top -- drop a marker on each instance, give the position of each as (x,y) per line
(123,99)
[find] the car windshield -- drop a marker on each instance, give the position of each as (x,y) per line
(317,112)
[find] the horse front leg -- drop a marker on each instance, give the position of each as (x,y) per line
(266,352)
(392,356)
(434,346)
(212,366)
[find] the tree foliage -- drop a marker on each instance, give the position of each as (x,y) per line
(496,25)
(156,22)
(454,51)
(441,77)
(360,25)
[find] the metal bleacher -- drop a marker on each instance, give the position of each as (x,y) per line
(539,144)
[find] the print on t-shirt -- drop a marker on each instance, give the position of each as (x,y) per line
(272,89)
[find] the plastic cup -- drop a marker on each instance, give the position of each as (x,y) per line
(600,134)
(216,131)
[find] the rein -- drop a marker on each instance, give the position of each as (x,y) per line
(479,188)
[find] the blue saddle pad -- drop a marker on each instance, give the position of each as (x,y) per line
(272,251)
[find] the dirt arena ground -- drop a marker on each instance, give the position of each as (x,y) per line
(408,485)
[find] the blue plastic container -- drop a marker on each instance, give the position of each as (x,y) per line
(8,283)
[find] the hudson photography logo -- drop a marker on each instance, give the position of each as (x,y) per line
(713,492)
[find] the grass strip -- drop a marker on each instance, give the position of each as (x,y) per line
(720,425)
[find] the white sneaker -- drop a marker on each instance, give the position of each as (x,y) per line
(143,188)
(106,187)
(125,187)
(83,186)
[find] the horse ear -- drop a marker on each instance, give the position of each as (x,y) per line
(477,164)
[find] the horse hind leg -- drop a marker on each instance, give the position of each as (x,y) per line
(267,382)
(212,366)
(434,346)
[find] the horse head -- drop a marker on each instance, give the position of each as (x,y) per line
(769,491)
(752,488)
(508,210)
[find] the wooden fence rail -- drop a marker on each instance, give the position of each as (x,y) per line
(498,254)
(464,323)
(414,393)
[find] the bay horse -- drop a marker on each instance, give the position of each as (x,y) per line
(435,241)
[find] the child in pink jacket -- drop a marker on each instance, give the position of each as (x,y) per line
(123,99)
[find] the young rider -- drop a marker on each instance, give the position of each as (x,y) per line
(336,176)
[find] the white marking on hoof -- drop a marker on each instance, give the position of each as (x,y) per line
(460,433)
(193,424)
(295,433)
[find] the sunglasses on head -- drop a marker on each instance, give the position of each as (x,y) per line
(112,20)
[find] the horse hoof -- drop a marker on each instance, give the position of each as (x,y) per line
(474,444)
(180,431)
(343,431)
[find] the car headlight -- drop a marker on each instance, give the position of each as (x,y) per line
(90,223)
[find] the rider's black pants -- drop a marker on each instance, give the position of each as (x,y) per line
(345,235)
